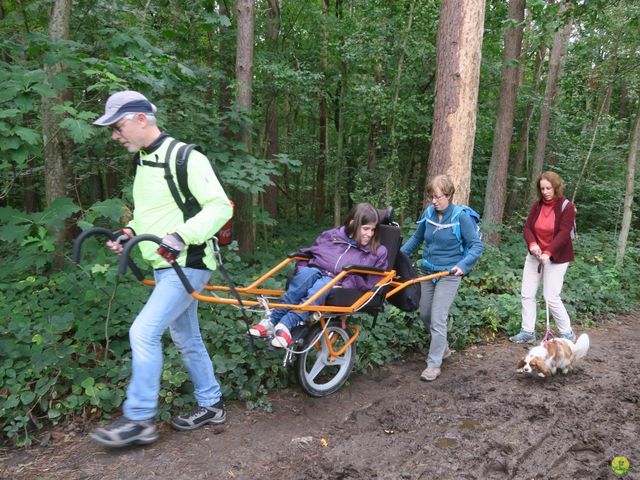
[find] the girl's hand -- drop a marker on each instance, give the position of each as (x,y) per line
(543,259)
(535,250)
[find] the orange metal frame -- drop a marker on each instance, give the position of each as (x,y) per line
(253,289)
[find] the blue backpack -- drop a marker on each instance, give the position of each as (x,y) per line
(455,222)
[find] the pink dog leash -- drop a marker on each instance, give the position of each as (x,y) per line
(548,335)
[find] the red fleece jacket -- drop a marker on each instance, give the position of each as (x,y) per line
(561,247)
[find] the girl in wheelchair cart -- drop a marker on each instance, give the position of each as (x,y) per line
(356,242)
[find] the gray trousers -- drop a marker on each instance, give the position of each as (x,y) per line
(435,302)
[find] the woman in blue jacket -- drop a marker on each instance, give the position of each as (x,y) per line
(355,243)
(451,242)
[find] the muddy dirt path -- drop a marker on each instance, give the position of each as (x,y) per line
(479,420)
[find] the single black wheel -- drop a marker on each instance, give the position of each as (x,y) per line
(317,374)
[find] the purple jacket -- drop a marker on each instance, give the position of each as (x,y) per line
(333,249)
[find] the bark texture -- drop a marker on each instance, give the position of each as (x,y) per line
(558,52)
(498,167)
(245,11)
(459,48)
(634,144)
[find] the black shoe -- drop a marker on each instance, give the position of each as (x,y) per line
(200,416)
(125,432)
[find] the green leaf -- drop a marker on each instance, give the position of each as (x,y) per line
(79,130)
(27,397)
(9,113)
(32,137)
(113,209)
(88,382)
(54,413)
(99,268)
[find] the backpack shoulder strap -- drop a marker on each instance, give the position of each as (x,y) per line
(168,176)
(457,210)
(564,204)
(426,214)
(191,205)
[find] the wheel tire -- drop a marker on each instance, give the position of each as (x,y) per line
(315,374)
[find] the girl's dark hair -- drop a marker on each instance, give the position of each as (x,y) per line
(363,214)
(556,182)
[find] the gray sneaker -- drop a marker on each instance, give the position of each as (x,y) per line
(568,336)
(523,337)
(125,432)
(429,374)
(200,416)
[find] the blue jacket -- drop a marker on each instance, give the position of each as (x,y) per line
(333,249)
(442,250)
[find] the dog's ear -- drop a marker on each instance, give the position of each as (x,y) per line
(521,363)
(539,365)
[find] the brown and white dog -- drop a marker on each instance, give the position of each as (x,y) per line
(553,355)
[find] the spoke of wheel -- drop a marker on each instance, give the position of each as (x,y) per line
(318,366)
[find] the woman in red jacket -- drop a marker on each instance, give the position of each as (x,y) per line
(547,233)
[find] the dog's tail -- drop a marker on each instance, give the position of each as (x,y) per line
(581,347)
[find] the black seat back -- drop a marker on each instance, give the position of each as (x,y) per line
(389,235)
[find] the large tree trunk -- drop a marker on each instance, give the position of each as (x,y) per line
(245,12)
(323,134)
(374,126)
(396,90)
(555,67)
(273,113)
(459,48)
(226,55)
(518,170)
(634,144)
(494,199)
(338,187)
(56,143)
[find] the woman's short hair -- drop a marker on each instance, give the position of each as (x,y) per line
(556,182)
(363,214)
(443,183)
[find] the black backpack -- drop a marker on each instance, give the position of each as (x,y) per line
(190,206)
(407,299)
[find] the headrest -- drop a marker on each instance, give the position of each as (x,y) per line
(386,215)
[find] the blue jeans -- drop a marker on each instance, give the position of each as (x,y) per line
(303,286)
(168,306)
(435,301)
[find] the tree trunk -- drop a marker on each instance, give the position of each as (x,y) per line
(323,138)
(634,144)
(273,113)
(555,67)
(583,170)
(494,199)
(244,223)
(225,53)
(518,164)
(374,127)
(396,92)
(338,187)
(56,143)
(458,53)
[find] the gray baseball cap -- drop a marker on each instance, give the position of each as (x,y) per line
(121,103)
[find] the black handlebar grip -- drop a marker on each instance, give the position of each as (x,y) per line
(77,243)
(77,246)
(122,268)
(126,251)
